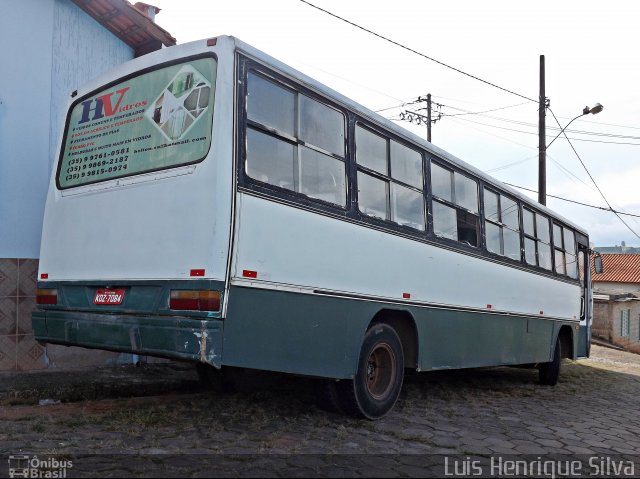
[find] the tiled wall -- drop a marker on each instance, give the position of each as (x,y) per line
(18,349)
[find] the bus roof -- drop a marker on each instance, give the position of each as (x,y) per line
(383,122)
(190,48)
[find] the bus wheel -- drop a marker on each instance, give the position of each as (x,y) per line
(213,379)
(550,372)
(378,381)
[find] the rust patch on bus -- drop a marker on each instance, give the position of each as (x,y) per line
(207,352)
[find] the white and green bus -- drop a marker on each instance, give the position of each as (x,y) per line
(212,204)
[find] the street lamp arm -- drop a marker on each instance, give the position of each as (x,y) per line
(594,111)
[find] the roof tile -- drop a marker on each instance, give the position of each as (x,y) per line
(127,23)
(618,268)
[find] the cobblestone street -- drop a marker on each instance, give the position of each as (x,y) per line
(112,421)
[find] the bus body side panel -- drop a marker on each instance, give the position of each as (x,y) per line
(289,245)
(468,311)
(319,335)
(294,332)
(453,339)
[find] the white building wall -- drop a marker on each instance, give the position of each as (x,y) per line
(26,29)
(49,48)
(82,49)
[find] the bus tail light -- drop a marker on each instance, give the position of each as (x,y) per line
(47,296)
(194,300)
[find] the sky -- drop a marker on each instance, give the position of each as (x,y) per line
(591,57)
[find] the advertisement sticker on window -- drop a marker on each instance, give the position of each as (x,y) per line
(156,120)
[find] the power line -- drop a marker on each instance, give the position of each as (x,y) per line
(568,172)
(574,201)
(415,51)
(610,208)
(509,165)
(606,124)
(348,80)
(564,170)
(481,112)
(417,100)
(524,123)
(548,136)
(458,120)
(597,133)
(533,125)
(420,99)
(592,179)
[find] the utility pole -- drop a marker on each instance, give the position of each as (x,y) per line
(419,118)
(542,148)
(429,117)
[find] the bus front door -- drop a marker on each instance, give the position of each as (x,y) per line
(586,302)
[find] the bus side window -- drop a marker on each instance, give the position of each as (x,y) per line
(502,225)
(270,104)
(570,253)
(559,249)
(455,205)
(390,179)
(544,242)
(564,243)
(294,141)
(537,239)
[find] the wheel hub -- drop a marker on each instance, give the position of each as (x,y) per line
(381,371)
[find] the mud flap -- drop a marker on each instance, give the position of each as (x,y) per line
(584,341)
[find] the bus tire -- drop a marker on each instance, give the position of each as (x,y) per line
(376,386)
(550,372)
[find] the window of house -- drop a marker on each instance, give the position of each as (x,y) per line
(564,244)
(502,225)
(390,179)
(537,239)
(294,141)
(455,205)
(625,316)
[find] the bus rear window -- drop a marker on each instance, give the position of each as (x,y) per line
(151,121)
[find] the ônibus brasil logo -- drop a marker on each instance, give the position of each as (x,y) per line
(102,106)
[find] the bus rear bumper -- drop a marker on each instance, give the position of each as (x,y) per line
(172,337)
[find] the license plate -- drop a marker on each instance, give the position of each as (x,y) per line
(109,296)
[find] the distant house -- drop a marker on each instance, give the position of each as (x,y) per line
(616,319)
(621,273)
(616,307)
(623,248)
(49,48)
